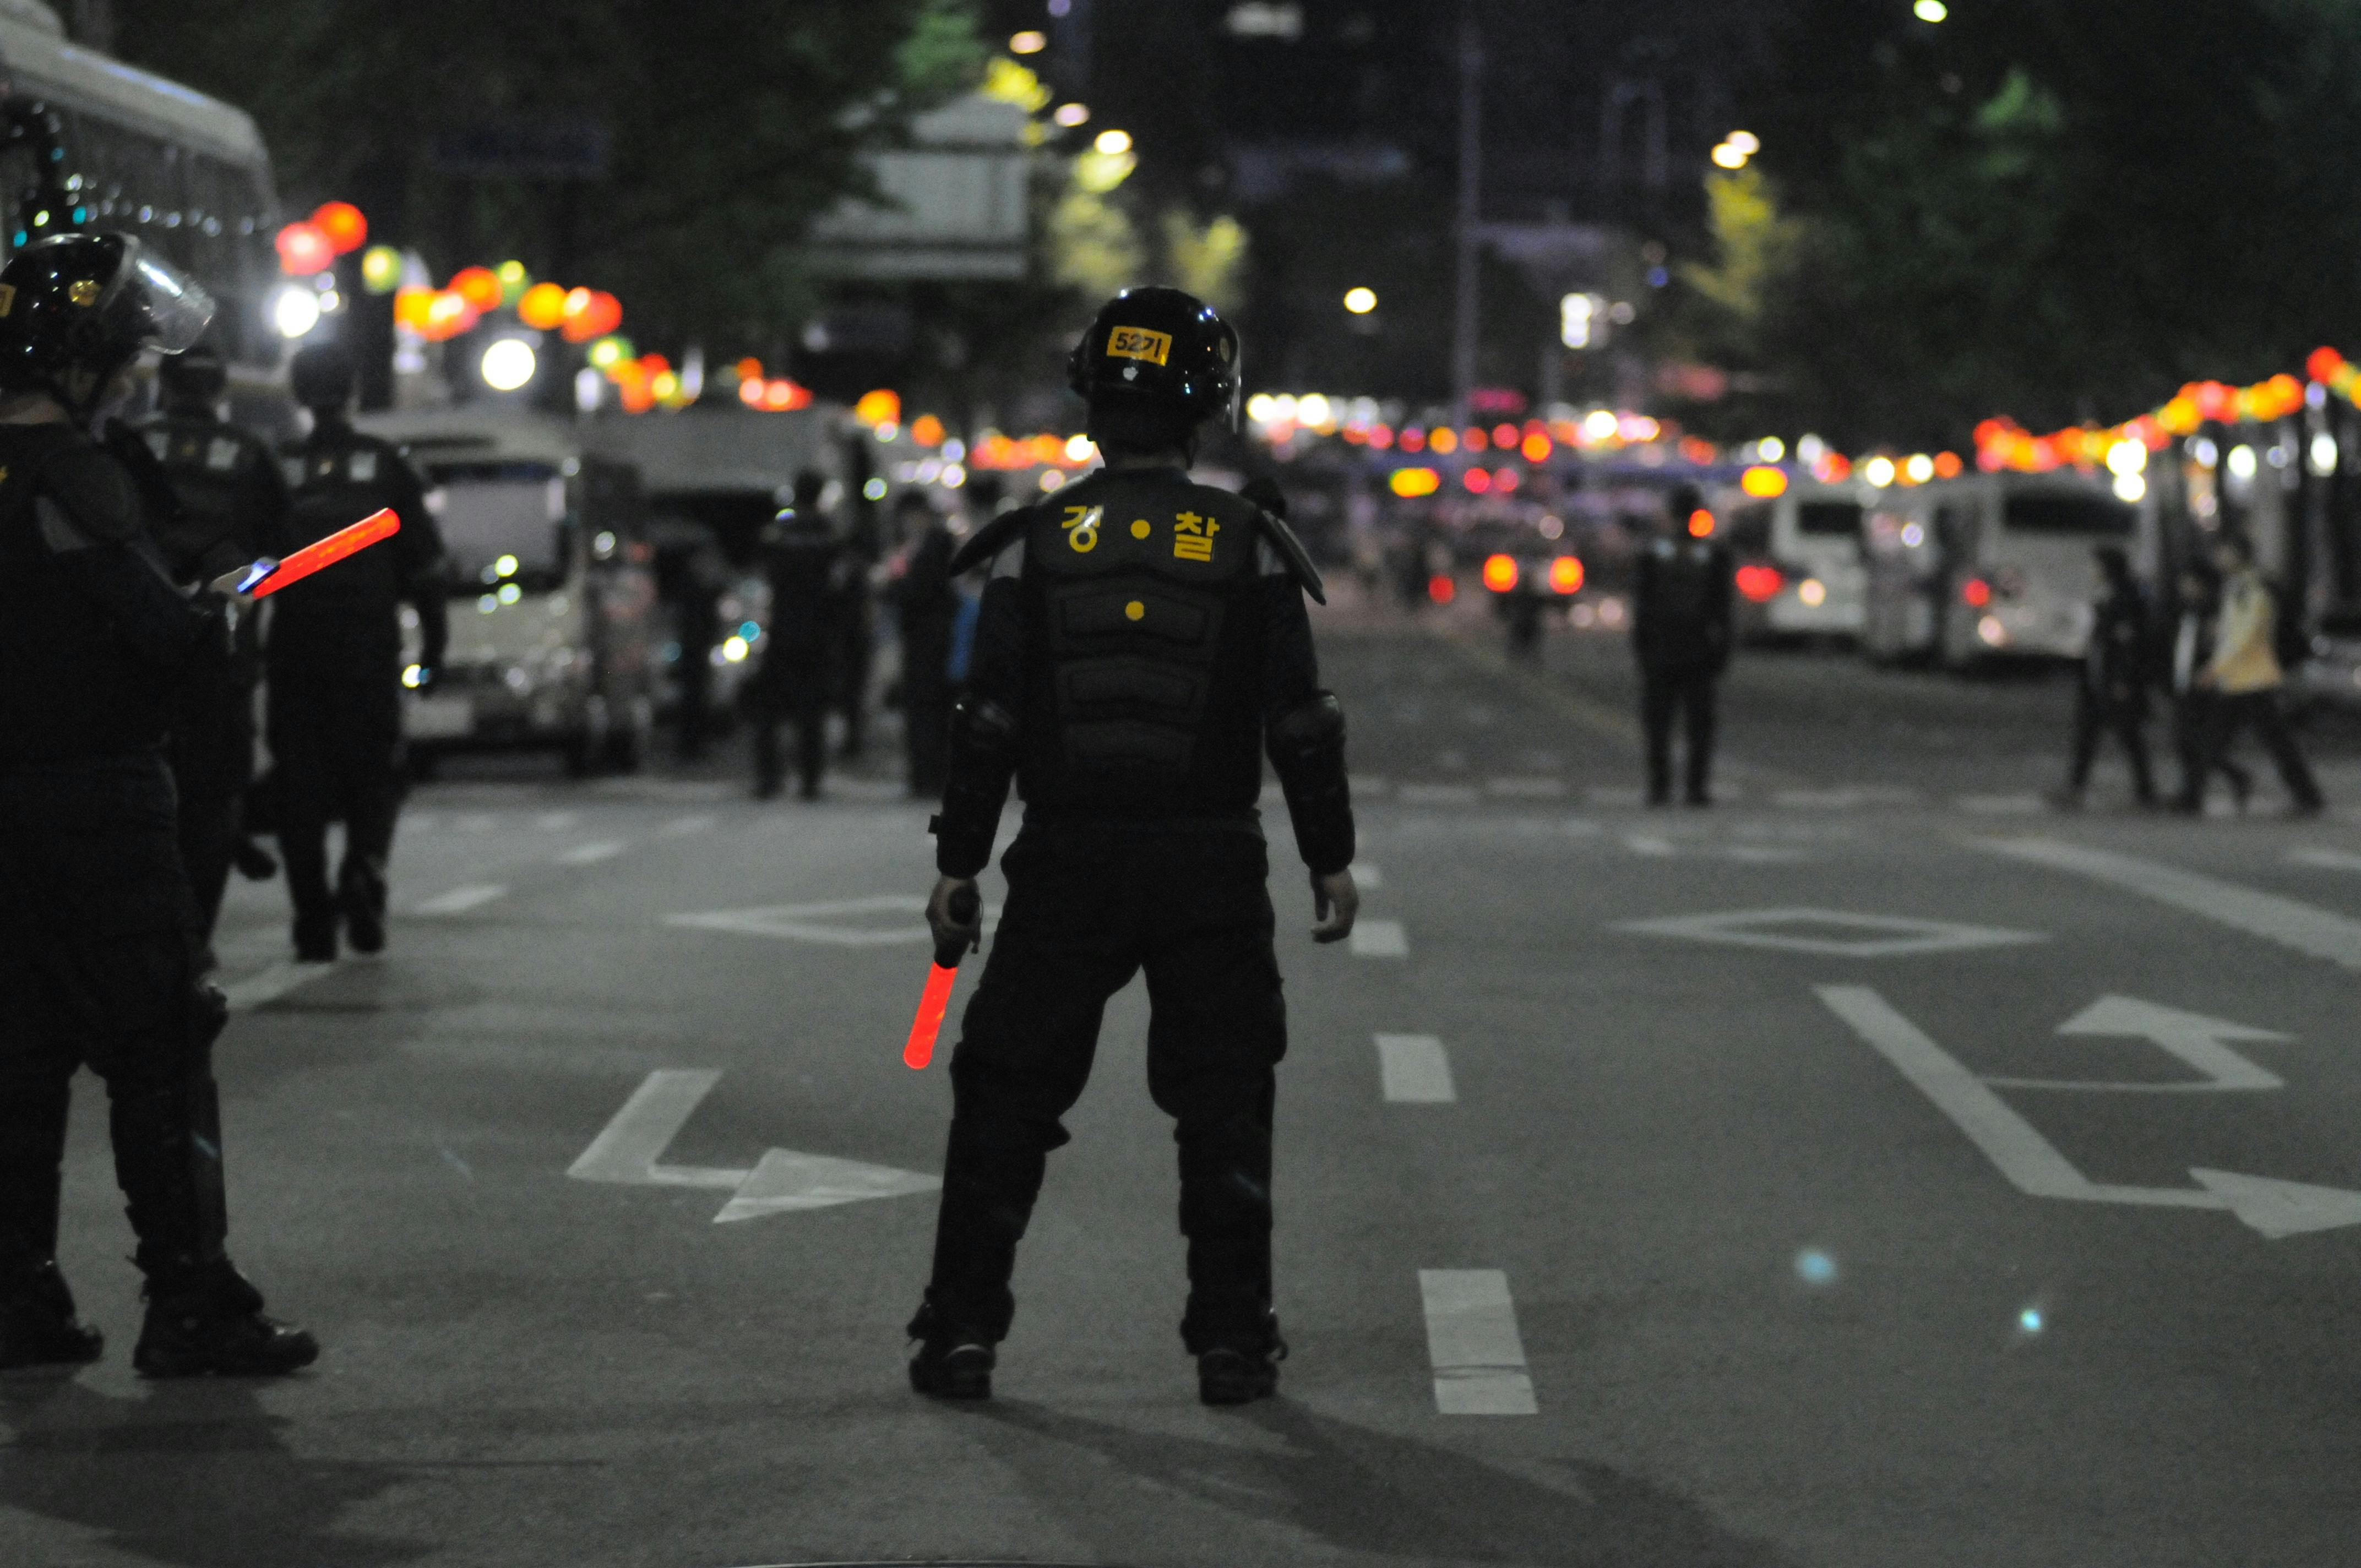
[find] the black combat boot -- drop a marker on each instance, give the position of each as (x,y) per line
(205,1318)
(949,1363)
(315,938)
(362,897)
(1239,1369)
(38,1325)
(255,863)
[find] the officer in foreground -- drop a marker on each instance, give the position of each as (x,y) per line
(1681,631)
(1142,639)
(335,657)
(225,506)
(99,941)
(807,565)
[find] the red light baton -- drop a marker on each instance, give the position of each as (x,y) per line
(267,576)
(938,998)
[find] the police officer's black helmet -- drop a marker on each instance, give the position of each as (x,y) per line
(76,308)
(322,375)
(1158,350)
(197,376)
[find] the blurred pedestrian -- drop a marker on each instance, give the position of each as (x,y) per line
(1144,642)
(700,578)
(2111,696)
(223,505)
(806,565)
(2247,680)
(926,609)
(100,951)
(1681,631)
(852,608)
(333,659)
(2193,703)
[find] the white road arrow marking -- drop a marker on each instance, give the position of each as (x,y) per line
(2033,1164)
(2192,1036)
(626,1151)
(786,1182)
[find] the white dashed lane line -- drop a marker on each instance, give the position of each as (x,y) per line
(589,855)
(1471,1337)
(270,984)
(1380,939)
(460,900)
(681,827)
(2321,933)
(1414,1070)
(2326,859)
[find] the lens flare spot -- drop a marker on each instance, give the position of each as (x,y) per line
(1813,1267)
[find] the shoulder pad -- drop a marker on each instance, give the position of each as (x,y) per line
(991,538)
(1290,550)
(93,486)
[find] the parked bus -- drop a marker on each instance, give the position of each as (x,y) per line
(552,600)
(89,142)
(1799,560)
(1991,565)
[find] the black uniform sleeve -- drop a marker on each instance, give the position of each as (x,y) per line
(262,495)
(983,731)
(89,517)
(1303,729)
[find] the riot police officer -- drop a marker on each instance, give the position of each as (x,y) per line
(807,565)
(334,711)
(1683,627)
(225,506)
(99,941)
(1143,640)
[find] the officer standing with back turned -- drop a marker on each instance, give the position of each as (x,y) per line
(228,508)
(1143,640)
(99,941)
(1683,628)
(335,657)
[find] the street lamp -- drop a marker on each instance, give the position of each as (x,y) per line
(1360,302)
(1930,10)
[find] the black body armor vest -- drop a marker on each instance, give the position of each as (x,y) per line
(211,466)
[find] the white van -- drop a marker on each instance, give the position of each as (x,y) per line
(1798,557)
(1995,565)
(550,597)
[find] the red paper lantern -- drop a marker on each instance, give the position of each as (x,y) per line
(303,250)
(342,223)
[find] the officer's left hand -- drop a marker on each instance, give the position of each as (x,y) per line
(947,932)
(1336,903)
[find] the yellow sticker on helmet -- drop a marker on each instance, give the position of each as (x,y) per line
(1138,343)
(7,298)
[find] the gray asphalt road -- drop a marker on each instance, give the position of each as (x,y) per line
(1706,1243)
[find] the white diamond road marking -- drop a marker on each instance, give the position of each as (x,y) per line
(589,855)
(1881,936)
(1414,1070)
(460,900)
(1380,939)
(1471,1337)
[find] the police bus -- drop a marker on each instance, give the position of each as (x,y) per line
(89,142)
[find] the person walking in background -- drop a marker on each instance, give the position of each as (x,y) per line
(925,608)
(2245,679)
(852,608)
(1681,631)
(2111,697)
(2192,703)
(806,564)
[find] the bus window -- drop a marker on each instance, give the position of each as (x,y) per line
(1830,520)
(2084,516)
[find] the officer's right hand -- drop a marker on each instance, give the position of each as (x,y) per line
(232,585)
(1336,903)
(949,933)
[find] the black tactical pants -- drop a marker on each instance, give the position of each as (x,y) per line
(2234,711)
(927,708)
(2128,724)
(791,687)
(336,741)
(2193,738)
(98,969)
(1688,689)
(213,763)
(1088,908)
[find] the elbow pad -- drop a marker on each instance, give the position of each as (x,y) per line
(1307,747)
(983,760)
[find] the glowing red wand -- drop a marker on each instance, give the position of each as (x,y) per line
(938,998)
(267,576)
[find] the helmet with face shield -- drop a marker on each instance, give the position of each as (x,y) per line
(76,309)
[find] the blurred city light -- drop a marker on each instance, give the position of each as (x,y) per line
(1770,449)
(2325,454)
(1930,10)
(1113,143)
(1314,409)
(1764,483)
(295,312)
(2242,463)
(1360,302)
(1078,449)
(1813,1267)
(1919,468)
(303,249)
(2131,488)
(1812,592)
(342,224)
(1440,589)
(1746,142)
(1702,524)
(1566,574)
(1411,483)
(1575,316)
(1878,471)
(1975,593)
(1072,115)
(1500,573)
(380,270)
(1728,157)
(1028,42)
(509,363)
(543,307)
(1761,584)
(2126,457)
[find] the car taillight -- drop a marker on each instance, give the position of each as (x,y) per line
(1442,589)
(1761,584)
(1566,574)
(1501,573)
(1975,593)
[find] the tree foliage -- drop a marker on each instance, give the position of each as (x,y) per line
(731,127)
